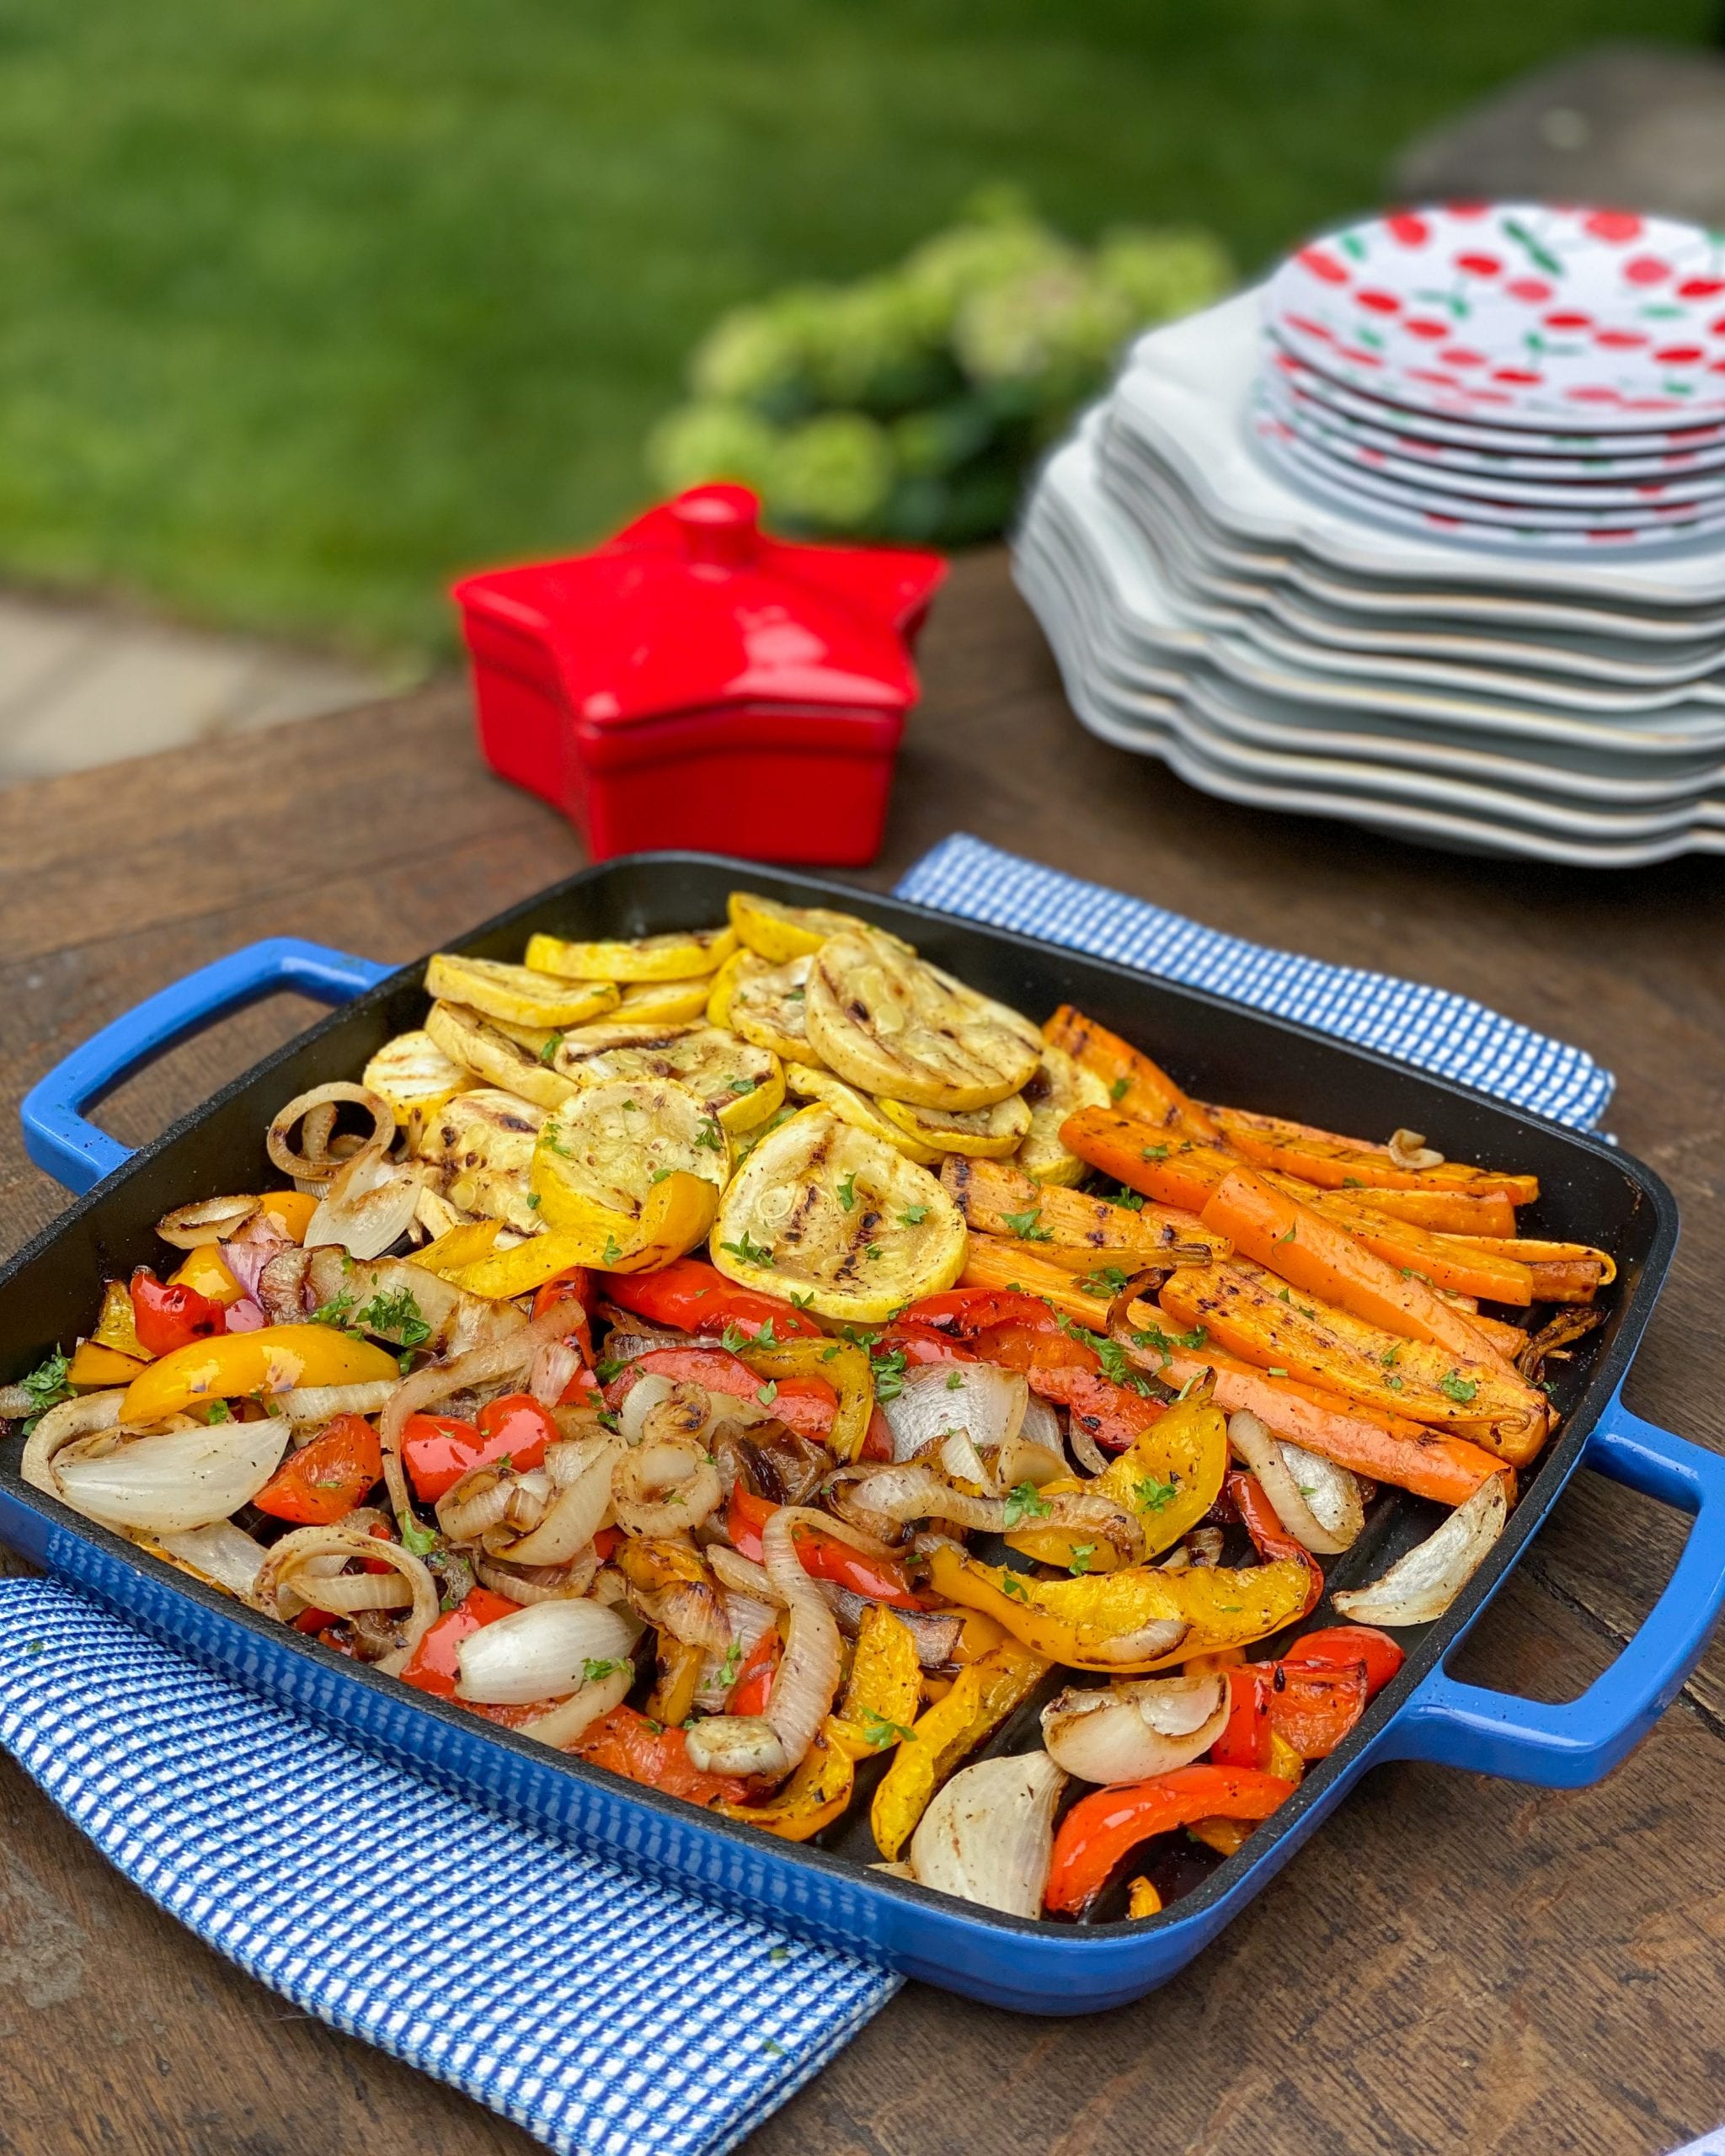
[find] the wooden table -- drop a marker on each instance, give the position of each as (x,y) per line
(1457,1963)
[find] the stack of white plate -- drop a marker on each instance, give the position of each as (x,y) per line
(1264,558)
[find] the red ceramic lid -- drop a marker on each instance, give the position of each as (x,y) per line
(695,605)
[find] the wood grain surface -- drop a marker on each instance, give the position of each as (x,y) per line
(1454,1963)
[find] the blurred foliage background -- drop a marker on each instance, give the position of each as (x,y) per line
(305,306)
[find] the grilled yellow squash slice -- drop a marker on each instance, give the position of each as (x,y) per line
(821,1210)
(632,1169)
(515,993)
(1060,1088)
(803,1081)
(986,1133)
(900,1028)
(415,1077)
(495,1056)
(740,1083)
(776,932)
(482,1145)
(687,954)
(665,1002)
(766,1005)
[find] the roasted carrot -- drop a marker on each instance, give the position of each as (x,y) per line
(1384,1448)
(1243,1308)
(1562,1272)
(1456,1262)
(999,1262)
(991,1193)
(1310,1252)
(1443,1212)
(1323,1157)
(1508,1339)
(1145,1158)
(1141,1087)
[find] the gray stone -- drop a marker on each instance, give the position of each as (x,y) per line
(1629,127)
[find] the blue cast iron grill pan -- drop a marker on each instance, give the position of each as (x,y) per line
(1591,1191)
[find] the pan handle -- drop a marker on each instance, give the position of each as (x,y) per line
(1567,1746)
(57,1134)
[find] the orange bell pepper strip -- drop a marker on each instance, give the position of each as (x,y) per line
(1322,1156)
(241,1365)
(1303,1247)
(291,1211)
(1102,1830)
(1241,1307)
(627,1743)
(1174,1171)
(992,1193)
(1136,1084)
(1383,1448)
(1270,1539)
(94,1368)
(202,1270)
(326,1479)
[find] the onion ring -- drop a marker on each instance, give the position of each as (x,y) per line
(319,1164)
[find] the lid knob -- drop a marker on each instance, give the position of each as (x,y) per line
(718,524)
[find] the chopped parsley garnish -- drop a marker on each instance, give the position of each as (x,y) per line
(632,1104)
(710,1136)
(553,1143)
(399,1315)
(733,1339)
(1150,1494)
(913,1216)
(1115,1366)
(218,1411)
(795,994)
(1165,1343)
(732,1663)
(549,1052)
(1293,1230)
(609,1367)
(847,1191)
(47,1386)
(1079,1562)
(336,1311)
(955,1383)
(871,1250)
(1027,1226)
(1276,1371)
(802,1302)
(766,1392)
(533,1200)
(613,1251)
(880,1732)
(1024,1500)
(887,1367)
(1154,1153)
(744,1085)
(1133,1200)
(1106,1280)
(1391,1355)
(1012,1584)
(421,1540)
(658,1175)
(592,1671)
(1457,1387)
(1119,1090)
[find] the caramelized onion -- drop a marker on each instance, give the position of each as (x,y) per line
(206,1220)
(988,1836)
(319,1163)
(1126,1732)
(287,1568)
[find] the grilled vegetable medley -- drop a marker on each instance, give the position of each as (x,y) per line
(757,1363)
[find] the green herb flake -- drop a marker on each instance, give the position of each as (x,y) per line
(1119,1090)
(1106,1280)
(1024,1500)
(592,1671)
(1133,1200)
(887,1366)
(847,1191)
(1027,1225)
(398,1316)
(880,1732)
(1012,1585)
(744,1085)
(1079,1562)
(549,1052)
(1154,1153)
(1150,1494)
(421,1540)
(710,1136)
(747,1252)
(913,1216)
(1275,1371)
(217,1412)
(733,1339)
(613,1251)
(766,1392)
(801,1302)
(1457,1387)
(955,1383)
(337,1311)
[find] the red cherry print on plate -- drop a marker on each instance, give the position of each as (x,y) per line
(1322,266)
(1701,288)
(1479,265)
(1524,375)
(1465,209)
(1615,225)
(1619,340)
(1534,289)
(1309,328)
(1422,326)
(1568,318)
(1458,355)
(1646,269)
(1407,230)
(1679,355)
(1360,359)
(1379,302)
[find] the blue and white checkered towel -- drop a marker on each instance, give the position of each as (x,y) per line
(659,2024)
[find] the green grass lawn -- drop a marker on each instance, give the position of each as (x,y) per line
(305,305)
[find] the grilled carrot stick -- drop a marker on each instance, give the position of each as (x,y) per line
(991,1193)
(1458,1263)
(1442,1212)
(1141,1087)
(1247,1312)
(1385,1448)
(1562,1272)
(1146,1158)
(998,1262)
(1321,1156)
(1313,1253)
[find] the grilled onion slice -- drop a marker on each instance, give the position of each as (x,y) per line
(1059,1087)
(822,1209)
(740,1083)
(986,1134)
(899,1027)
(516,994)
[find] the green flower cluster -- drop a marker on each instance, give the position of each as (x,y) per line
(911,405)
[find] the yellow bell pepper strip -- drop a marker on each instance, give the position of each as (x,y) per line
(248,1365)
(508,1273)
(675,1215)
(1320,1156)
(1142,1088)
(204,1272)
(816,1795)
(981,1697)
(1142,1900)
(1168,1479)
(467,1244)
(1089,1622)
(1241,1308)
(843,1365)
(1220,1834)
(117,1328)
(94,1368)
(881,1694)
(291,1211)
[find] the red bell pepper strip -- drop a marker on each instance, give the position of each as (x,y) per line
(573,1286)
(696,1297)
(1245,1742)
(439,1449)
(822,1558)
(433,1667)
(629,1744)
(754,1684)
(326,1479)
(1340,1646)
(167,1316)
(1314,1709)
(1269,1538)
(878,1445)
(1102,1830)
(962,1313)
(806,1405)
(919,1344)
(1113,1414)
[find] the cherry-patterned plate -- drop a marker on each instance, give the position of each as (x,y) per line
(1515,314)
